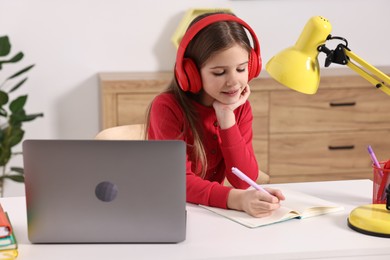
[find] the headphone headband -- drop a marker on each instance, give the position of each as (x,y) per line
(193,30)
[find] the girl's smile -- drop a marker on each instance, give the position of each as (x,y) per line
(232,93)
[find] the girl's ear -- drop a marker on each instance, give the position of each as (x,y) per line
(254,65)
(193,77)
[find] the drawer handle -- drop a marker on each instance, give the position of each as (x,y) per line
(344,104)
(342,147)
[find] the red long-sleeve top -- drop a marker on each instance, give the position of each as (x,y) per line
(225,148)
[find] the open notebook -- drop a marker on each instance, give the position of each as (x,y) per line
(296,205)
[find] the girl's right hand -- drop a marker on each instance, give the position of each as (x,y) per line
(225,112)
(255,203)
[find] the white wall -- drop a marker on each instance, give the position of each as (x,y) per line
(71,41)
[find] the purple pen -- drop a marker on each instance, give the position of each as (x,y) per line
(374,159)
(245,178)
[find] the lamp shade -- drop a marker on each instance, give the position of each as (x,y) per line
(297,67)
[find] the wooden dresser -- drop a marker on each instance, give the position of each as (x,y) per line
(297,137)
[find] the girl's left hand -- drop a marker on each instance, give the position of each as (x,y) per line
(225,113)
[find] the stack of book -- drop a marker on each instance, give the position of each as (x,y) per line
(8,244)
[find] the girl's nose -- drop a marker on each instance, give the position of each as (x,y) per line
(231,80)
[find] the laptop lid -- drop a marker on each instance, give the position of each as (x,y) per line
(98,191)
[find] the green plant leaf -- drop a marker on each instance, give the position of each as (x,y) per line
(20,72)
(15,137)
(18,85)
(16,178)
(32,117)
(3,112)
(18,170)
(14,59)
(5,46)
(3,98)
(17,118)
(18,104)
(5,155)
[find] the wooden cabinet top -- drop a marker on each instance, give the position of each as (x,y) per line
(330,79)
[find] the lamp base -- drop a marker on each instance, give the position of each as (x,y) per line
(372,219)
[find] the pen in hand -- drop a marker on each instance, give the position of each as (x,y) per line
(245,178)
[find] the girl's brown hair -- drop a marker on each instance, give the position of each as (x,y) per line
(212,39)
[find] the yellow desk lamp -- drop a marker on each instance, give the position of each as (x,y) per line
(297,68)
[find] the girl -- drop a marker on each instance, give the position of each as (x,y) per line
(207,106)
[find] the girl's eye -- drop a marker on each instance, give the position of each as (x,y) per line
(241,69)
(219,73)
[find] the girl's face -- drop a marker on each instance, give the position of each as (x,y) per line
(224,76)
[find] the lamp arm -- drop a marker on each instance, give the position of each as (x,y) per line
(344,56)
(371,74)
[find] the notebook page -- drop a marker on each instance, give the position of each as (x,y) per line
(296,205)
(308,206)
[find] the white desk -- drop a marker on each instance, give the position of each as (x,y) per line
(210,236)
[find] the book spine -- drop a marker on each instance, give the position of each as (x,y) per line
(5,225)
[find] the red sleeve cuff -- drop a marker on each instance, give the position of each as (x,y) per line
(219,195)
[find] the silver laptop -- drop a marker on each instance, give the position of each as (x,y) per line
(94,191)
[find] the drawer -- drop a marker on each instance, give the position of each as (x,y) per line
(321,155)
(329,110)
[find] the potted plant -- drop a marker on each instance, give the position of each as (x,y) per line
(12,113)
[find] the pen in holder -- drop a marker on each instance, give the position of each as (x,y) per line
(388,197)
(373,219)
(381,181)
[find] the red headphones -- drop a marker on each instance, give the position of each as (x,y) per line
(187,74)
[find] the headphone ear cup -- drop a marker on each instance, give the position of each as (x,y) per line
(254,65)
(194,80)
